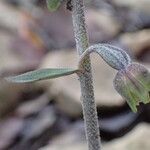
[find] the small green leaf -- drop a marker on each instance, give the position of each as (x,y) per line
(53,4)
(41,74)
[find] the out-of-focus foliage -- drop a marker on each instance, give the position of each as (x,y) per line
(53,4)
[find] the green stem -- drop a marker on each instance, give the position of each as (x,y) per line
(85,78)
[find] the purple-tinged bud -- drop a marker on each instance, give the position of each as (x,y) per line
(133,83)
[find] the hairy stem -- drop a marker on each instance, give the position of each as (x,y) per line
(85,78)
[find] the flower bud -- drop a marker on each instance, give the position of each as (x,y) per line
(113,56)
(133,83)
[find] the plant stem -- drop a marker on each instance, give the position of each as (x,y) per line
(85,78)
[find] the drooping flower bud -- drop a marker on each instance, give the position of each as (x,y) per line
(113,56)
(133,83)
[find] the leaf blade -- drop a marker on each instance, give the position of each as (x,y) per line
(41,74)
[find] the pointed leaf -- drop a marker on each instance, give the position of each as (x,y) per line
(41,74)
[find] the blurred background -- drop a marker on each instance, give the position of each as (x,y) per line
(47,115)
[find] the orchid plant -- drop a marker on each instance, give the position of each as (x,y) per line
(132,80)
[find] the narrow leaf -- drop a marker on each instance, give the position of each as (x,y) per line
(53,4)
(41,74)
